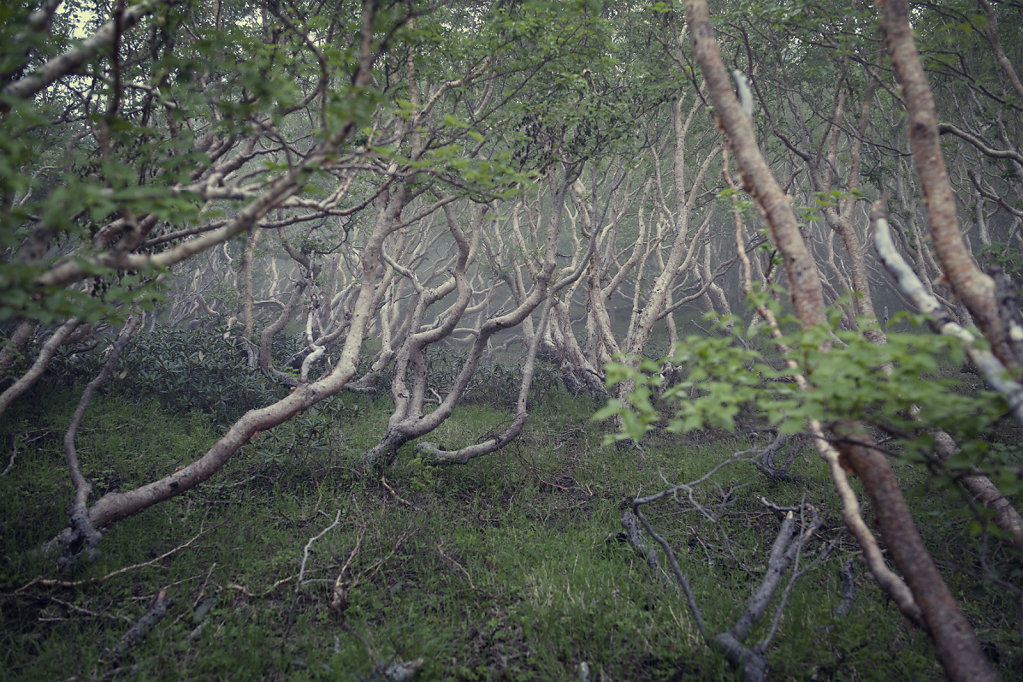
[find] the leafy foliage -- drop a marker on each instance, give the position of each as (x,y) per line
(184,370)
(903,388)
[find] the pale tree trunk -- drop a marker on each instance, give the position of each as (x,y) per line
(409,401)
(716,293)
(840,217)
(496,441)
(81,527)
(408,420)
(663,256)
(577,371)
(684,246)
(250,253)
(266,337)
(117,505)
(28,379)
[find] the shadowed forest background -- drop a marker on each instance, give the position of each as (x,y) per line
(511,340)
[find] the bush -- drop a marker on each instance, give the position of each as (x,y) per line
(185,370)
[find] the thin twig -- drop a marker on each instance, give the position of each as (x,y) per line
(301,572)
(47,582)
(683,581)
(147,622)
(807,533)
(341,590)
(396,496)
(440,549)
(78,609)
(253,595)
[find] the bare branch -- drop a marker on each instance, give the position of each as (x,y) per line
(71,60)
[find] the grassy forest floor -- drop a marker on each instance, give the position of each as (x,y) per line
(512,567)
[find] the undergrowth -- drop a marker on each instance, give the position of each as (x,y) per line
(512,567)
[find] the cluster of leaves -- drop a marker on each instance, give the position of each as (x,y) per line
(186,370)
(902,388)
(117,139)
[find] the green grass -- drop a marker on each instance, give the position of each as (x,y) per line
(509,567)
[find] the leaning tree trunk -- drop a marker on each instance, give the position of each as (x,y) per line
(117,505)
(955,642)
(970,285)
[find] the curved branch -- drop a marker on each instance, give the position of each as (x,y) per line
(980,144)
(19,387)
(70,61)
(82,529)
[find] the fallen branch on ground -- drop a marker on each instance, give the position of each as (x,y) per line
(48,582)
(785,553)
(144,624)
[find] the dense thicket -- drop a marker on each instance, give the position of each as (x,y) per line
(411,197)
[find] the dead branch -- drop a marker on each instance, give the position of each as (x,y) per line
(47,582)
(440,550)
(765,462)
(79,609)
(10,461)
(785,552)
(306,551)
(339,593)
(395,494)
(848,575)
(260,595)
(635,537)
(142,627)
(403,671)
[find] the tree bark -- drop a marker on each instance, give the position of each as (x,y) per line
(955,643)
(19,387)
(974,288)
